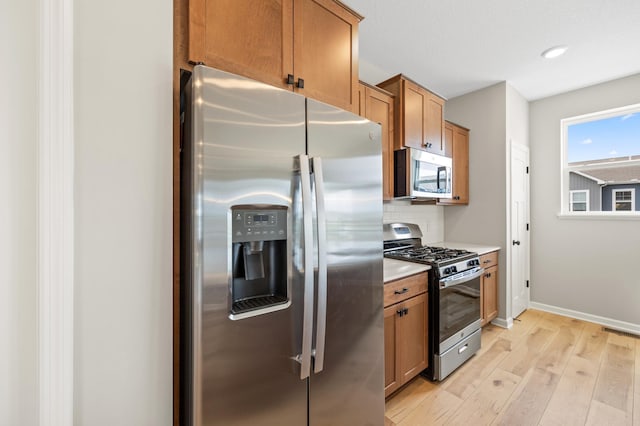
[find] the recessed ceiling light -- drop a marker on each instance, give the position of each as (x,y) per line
(554,52)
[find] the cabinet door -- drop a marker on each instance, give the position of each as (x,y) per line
(362,99)
(412,337)
(460,165)
(391,366)
(379,109)
(245,37)
(413,115)
(448,139)
(434,124)
(456,146)
(489,302)
(325,46)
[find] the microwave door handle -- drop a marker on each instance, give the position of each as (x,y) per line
(446,180)
(439,173)
(321,320)
(307,321)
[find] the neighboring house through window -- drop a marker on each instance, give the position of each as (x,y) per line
(601,161)
(623,200)
(579,201)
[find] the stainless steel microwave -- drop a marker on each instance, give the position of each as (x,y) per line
(421,174)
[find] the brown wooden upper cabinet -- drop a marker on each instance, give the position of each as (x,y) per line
(419,118)
(376,105)
(308,46)
(457,148)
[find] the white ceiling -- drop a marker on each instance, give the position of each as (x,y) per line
(458,46)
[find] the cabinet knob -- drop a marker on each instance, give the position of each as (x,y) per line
(290,80)
(400,312)
(300,83)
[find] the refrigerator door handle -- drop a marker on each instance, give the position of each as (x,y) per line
(321,320)
(307,321)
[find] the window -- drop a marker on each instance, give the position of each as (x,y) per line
(601,162)
(623,200)
(579,201)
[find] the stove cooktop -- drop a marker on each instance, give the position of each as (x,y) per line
(437,256)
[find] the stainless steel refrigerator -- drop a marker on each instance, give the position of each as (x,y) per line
(281,258)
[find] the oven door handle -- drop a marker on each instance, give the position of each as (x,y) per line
(456,281)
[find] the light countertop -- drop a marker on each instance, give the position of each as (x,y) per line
(396,269)
(477,248)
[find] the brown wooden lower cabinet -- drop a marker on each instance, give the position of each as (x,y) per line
(405,331)
(489,287)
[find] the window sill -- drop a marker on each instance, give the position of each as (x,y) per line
(600,215)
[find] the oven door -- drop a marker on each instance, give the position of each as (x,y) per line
(459,303)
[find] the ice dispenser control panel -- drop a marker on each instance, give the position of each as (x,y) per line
(254,223)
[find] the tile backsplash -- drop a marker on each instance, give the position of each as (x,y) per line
(429,217)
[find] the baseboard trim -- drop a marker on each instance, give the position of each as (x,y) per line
(504,323)
(609,322)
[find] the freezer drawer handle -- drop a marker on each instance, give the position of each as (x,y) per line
(307,320)
(321,321)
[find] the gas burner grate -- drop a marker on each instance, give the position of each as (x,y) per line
(428,254)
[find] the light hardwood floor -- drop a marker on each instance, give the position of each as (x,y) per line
(546,370)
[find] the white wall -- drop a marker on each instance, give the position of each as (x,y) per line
(428,217)
(588,266)
(517,122)
(123,225)
(483,221)
(18,142)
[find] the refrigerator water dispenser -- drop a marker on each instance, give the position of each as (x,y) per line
(259,259)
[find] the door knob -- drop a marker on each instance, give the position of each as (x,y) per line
(516,243)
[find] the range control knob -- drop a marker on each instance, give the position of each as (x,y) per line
(454,269)
(447,271)
(473,262)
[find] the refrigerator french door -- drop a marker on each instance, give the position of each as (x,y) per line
(281,259)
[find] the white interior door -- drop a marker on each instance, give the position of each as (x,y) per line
(519,229)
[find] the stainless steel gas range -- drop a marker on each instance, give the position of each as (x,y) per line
(454,296)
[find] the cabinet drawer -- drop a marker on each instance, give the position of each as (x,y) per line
(488,260)
(402,289)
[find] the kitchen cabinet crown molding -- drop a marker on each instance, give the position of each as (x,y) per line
(401,76)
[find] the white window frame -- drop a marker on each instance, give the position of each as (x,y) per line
(565,200)
(571,202)
(633,199)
